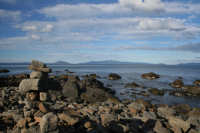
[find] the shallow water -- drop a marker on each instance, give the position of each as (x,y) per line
(130,73)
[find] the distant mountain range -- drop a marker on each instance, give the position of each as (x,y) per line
(108,62)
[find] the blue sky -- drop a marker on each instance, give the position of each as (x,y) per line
(152,31)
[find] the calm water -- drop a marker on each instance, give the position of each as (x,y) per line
(129,74)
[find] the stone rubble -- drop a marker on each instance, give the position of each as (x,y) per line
(39,105)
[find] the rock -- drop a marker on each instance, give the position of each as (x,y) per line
(31,96)
(194,117)
(73,78)
(71,89)
(144,103)
(107,118)
(94,76)
(46,70)
(197,82)
(38,64)
(149,115)
(132,85)
(21,123)
(4,71)
(166,112)
(177,84)
(91,82)
(43,108)
(159,128)
(88,125)
(114,76)
(150,76)
(43,96)
(93,95)
(182,109)
(193,131)
(156,91)
(31,84)
(38,75)
(21,76)
(135,108)
(70,120)
(48,123)
(194,90)
(177,124)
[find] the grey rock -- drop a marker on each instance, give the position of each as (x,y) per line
(46,70)
(159,128)
(43,96)
(38,64)
(114,76)
(38,75)
(32,84)
(71,90)
(48,123)
(166,112)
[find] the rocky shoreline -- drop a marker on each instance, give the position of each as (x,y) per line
(38,103)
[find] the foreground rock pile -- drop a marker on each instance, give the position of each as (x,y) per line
(67,104)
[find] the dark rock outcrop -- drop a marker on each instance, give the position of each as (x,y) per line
(132,85)
(4,71)
(177,84)
(156,91)
(197,82)
(114,76)
(150,76)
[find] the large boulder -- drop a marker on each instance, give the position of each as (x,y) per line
(38,75)
(150,76)
(47,70)
(177,84)
(48,123)
(91,82)
(178,124)
(32,84)
(93,95)
(71,90)
(114,76)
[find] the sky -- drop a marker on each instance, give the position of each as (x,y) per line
(150,31)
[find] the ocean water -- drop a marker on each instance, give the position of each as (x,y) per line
(130,73)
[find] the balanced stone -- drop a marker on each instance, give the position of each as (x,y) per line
(31,84)
(47,70)
(39,66)
(38,75)
(43,96)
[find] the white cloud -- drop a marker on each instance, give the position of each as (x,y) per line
(29,28)
(35,26)
(35,37)
(47,28)
(148,5)
(10,16)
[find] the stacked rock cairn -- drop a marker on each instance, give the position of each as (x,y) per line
(35,91)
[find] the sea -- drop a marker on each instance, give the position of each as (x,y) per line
(129,73)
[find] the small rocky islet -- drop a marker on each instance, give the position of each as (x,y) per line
(39,103)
